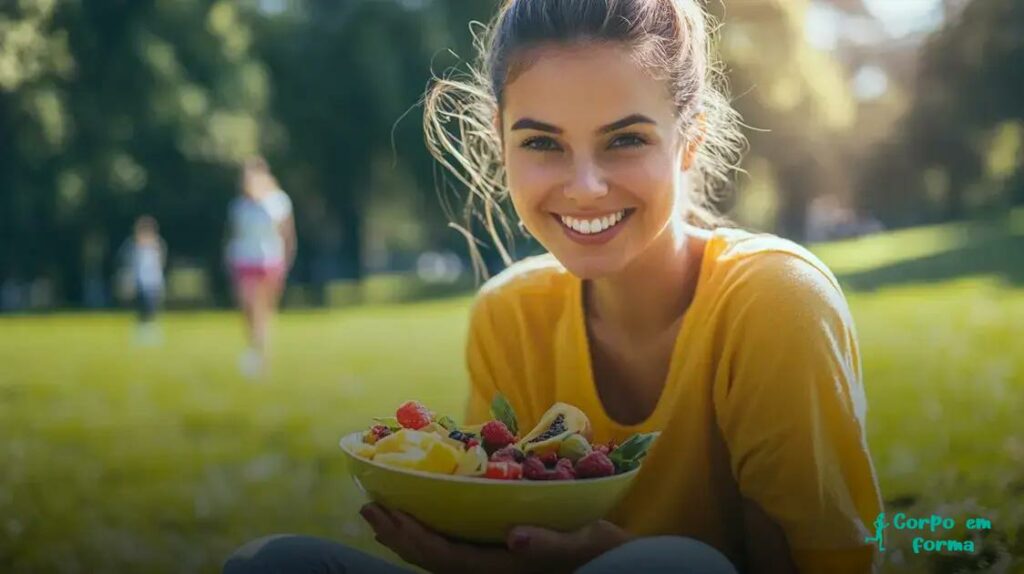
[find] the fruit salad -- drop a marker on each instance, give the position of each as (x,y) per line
(558,448)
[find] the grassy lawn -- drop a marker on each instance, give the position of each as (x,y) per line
(115,458)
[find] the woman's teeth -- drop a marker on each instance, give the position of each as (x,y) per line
(592,226)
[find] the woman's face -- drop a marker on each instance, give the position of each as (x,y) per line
(592,155)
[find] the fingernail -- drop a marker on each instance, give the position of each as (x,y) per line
(520,540)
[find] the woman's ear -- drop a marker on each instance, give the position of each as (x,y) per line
(694,140)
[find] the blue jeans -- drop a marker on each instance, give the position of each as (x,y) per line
(289,554)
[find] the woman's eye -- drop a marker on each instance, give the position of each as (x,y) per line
(541,143)
(628,140)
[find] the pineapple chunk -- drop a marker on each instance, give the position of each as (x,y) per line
(473,462)
(363,449)
(409,458)
(440,458)
(404,439)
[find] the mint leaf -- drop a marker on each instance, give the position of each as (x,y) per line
(635,445)
(627,455)
(390,422)
(624,466)
(448,424)
(502,410)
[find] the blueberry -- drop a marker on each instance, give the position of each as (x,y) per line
(461,436)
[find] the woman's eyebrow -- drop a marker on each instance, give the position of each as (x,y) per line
(625,122)
(532,124)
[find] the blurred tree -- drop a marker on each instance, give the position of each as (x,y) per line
(345,75)
(109,109)
(116,108)
(963,128)
(797,102)
(340,49)
(34,130)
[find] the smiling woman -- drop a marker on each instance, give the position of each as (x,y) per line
(476,126)
(602,122)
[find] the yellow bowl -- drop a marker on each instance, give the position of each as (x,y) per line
(482,509)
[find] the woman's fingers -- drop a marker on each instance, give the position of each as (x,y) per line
(418,544)
(379,518)
(549,546)
(570,549)
(426,547)
(404,535)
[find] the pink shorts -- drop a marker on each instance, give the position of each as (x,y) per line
(247,276)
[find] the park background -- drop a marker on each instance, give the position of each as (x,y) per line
(887,135)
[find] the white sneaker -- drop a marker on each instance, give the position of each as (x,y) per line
(148,335)
(251,364)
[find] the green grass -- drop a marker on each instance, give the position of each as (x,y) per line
(124,459)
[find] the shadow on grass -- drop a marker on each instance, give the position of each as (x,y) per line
(999,256)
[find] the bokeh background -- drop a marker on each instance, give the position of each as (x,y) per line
(887,135)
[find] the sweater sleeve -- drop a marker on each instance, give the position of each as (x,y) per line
(791,407)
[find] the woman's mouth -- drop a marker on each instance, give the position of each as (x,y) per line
(596,229)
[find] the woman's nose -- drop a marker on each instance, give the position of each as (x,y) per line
(587,183)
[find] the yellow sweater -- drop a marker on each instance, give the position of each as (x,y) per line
(763,400)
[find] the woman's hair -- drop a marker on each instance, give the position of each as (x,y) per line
(670,38)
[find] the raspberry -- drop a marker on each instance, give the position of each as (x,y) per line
(595,464)
(509,454)
(549,458)
(376,433)
(413,415)
(496,435)
(471,443)
(504,470)
(602,448)
(563,470)
(533,469)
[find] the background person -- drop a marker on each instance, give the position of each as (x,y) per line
(260,251)
(144,256)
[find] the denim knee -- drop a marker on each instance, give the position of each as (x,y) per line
(288,553)
(661,555)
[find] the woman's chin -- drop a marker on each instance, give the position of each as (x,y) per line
(589,268)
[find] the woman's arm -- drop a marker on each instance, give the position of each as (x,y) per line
(765,542)
(790,405)
(287,230)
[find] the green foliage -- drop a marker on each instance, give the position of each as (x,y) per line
(799,104)
(117,110)
(963,120)
(112,111)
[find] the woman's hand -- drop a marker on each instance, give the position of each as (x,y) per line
(528,548)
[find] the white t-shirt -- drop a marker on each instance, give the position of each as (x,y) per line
(255,236)
(145,262)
